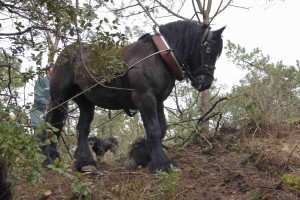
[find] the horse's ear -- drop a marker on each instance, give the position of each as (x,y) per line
(218,33)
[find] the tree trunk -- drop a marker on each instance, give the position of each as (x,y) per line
(5,186)
(204,108)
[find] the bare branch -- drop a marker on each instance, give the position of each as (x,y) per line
(239,7)
(147,12)
(15,10)
(211,109)
(195,10)
(205,10)
(218,122)
(221,10)
(288,161)
(120,9)
(170,11)
(17,33)
(209,6)
(176,100)
(217,12)
(200,7)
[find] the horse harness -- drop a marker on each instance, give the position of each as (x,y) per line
(180,70)
(168,56)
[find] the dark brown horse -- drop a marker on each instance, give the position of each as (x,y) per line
(143,87)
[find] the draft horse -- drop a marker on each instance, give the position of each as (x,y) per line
(144,87)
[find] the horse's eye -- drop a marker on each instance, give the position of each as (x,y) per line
(208,50)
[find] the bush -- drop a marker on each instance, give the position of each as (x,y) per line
(267,96)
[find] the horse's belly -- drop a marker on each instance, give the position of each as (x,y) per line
(111,100)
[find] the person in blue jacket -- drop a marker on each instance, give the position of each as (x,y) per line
(41,97)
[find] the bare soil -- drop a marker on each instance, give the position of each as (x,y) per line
(237,167)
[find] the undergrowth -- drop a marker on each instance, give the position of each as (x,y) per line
(169,181)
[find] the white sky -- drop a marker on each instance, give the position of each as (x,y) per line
(274,28)
(271,26)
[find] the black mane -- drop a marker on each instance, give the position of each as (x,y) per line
(145,38)
(185,38)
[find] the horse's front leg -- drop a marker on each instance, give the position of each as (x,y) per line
(147,105)
(162,119)
(84,158)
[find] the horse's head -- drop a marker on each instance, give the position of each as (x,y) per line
(202,72)
(197,48)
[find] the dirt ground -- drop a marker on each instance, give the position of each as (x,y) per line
(236,167)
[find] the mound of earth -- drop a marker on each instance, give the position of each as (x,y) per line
(232,168)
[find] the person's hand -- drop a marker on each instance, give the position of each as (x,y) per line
(47,106)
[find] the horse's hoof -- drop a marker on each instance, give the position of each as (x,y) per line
(130,164)
(90,169)
(48,162)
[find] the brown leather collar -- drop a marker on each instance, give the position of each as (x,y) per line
(168,55)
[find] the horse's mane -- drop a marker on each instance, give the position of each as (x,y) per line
(185,37)
(145,38)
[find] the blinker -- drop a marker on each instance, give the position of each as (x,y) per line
(207,49)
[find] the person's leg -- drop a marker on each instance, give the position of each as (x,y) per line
(36,118)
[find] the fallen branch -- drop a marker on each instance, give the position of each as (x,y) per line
(211,109)
(288,161)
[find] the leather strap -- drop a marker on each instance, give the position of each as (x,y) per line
(168,55)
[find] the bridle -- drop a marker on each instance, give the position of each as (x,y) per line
(198,77)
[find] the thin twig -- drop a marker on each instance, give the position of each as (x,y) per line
(17,33)
(211,109)
(170,11)
(147,12)
(288,161)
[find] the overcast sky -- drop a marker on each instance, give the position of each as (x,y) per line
(274,28)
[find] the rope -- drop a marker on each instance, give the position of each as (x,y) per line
(109,87)
(130,67)
(166,50)
(99,83)
(70,98)
(66,145)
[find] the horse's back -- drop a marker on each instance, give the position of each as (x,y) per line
(147,70)
(62,78)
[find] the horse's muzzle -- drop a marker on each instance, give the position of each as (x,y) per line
(202,82)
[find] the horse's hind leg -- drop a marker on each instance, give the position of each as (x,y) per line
(84,158)
(56,118)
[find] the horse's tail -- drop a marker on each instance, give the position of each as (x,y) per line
(5,186)
(139,154)
(57,116)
